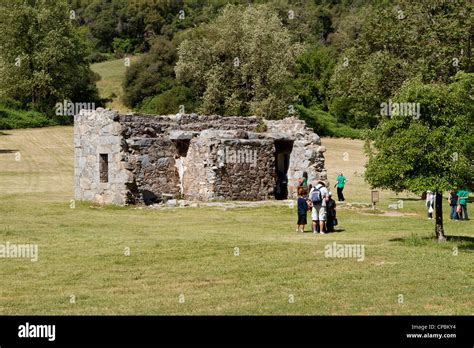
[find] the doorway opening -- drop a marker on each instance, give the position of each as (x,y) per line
(283,150)
(182,147)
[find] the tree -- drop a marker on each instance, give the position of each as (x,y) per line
(387,52)
(357,87)
(172,101)
(313,72)
(429,151)
(42,57)
(152,74)
(239,62)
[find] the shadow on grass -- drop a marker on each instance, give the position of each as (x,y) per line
(407,199)
(7,151)
(461,242)
(338,230)
(465,242)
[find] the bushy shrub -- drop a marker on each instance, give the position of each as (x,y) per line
(12,118)
(172,101)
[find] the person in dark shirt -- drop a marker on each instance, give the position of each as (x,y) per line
(453,200)
(331,213)
(302,211)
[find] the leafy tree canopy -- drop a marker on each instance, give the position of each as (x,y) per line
(429,152)
(396,43)
(239,62)
(42,56)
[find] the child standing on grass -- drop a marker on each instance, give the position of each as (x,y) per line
(302,210)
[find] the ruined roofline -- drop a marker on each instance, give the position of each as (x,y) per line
(148,125)
(184,118)
(139,125)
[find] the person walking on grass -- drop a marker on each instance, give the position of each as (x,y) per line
(302,211)
(341,180)
(430,198)
(463,196)
(453,203)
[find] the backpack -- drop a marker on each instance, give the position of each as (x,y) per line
(316,196)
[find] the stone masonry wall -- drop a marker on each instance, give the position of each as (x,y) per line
(234,168)
(188,156)
(95,132)
(152,164)
(138,125)
(307,154)
(199,176)
(248,169)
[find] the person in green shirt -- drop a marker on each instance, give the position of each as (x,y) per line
(341,180)
(463,196)
(303,181)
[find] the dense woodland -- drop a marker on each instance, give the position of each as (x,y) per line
(332,62)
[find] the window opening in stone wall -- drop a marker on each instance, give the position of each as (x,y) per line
(104,167)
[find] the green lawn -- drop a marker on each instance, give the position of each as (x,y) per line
(112,73)
(191,251)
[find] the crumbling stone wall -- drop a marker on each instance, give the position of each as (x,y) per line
(234,168)
(153,166)
(307,153)
(188,156)
(96,132)
(248,170)
(136,125)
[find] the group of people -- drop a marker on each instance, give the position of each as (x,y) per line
(318,200)
(457,201)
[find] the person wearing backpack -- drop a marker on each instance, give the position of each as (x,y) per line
(453,203)
(318,196)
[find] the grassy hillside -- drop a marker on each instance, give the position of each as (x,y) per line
(110,84)
(190,252)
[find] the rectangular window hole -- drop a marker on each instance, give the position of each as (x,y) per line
(104,167)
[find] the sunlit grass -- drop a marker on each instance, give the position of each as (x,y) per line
(192,251)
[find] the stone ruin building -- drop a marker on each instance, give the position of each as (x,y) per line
(137,158)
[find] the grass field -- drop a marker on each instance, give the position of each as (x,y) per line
(111,73)
(184,260)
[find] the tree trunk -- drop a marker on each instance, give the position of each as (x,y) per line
(439,230)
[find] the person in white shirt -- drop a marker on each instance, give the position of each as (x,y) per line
(318,213)
(430,199)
